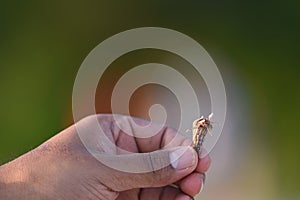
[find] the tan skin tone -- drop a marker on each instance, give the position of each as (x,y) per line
(62,168)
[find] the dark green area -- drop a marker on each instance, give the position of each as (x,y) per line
(42,44)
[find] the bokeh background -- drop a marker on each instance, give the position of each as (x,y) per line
(254,43)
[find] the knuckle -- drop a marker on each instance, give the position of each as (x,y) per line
(163,176)
(160,167)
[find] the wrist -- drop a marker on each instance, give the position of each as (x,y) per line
(14,180)
(12,172)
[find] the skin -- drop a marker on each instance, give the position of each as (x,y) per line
(63,168)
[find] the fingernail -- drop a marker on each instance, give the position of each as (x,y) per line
(185,197)
(203,177)
(202,186)
(182,158)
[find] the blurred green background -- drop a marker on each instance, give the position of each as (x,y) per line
(42,45)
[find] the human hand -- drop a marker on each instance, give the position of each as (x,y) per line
(64,168)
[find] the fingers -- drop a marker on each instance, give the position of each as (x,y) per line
(158,161)
(192,184)
(147,135)
(155,169)
(204,162)
(164,193)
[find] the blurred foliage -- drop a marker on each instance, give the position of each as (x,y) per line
(42,44)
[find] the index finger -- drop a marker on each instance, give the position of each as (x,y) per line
(149,136)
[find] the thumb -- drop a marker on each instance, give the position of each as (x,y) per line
(154,169)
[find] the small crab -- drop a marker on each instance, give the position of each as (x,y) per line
(201,127)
